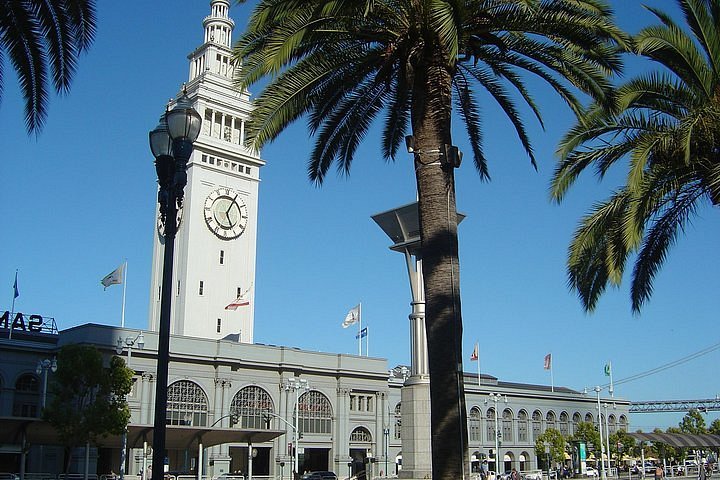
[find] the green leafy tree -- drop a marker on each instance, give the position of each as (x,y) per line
(87,397)
(41,39)
(693,422)
(715,427)
(621,443)
(557,443)
(415,63)
(586,432)
(666,128)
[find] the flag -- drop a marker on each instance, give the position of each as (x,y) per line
(362,333)
(240,301)
(474,354)
(15,289)
(548,361)
(608,369)
(352,317)
(113,278)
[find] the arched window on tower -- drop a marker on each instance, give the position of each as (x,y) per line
(187,404)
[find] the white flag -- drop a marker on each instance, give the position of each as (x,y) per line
(114,278)
(352,317)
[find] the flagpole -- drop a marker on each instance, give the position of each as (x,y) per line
(552,381)
(12,309)
(611,389)
(478,360)
(122,314)
(360,329)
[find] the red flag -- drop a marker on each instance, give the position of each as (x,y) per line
(548,361)
(474,354)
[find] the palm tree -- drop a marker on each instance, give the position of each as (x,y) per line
(343,63)
(42,35)
(668,126)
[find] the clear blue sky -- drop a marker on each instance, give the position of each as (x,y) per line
(80,198)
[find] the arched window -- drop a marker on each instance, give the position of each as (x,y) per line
(248,407)
(522,426)
(550,420)
(589,418)
(576,420)
(187,404)
(27,396)
(474,420)
(361,434)
(398,422)
(536,424)
(507,430)
(564,424)
(622,423)
(315,413)
(490,424)
(612,424)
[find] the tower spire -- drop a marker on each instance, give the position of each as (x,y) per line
(216,51)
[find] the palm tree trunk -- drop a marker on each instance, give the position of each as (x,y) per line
(443,319)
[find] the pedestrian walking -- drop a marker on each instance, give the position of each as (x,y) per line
(660,473)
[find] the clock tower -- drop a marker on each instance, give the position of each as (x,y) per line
(214,270)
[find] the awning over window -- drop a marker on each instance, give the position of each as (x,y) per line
(679,439)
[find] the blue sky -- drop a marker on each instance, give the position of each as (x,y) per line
(80,198)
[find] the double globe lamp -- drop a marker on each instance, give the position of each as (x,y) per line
(171,143)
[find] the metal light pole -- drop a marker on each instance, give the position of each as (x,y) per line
(547,457)
(494,397)
(603,474)
(171,143)
(607,436)
(295,384)
(128,344)
(42,368)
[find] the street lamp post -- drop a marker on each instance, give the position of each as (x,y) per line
(42,368)
(607,436)
(495,397)
(171,143)
(121,346)
(547,457)
(603,474)
(296,385)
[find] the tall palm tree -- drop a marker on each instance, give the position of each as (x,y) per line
(343,63)
(668,126)
(41,35)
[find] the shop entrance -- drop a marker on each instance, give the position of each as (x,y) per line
(359,462)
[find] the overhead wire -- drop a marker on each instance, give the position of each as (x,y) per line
(666,366)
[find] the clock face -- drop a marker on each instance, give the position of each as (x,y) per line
(225,213)
(161,224)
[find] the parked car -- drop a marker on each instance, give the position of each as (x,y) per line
(319,475)
(591,472)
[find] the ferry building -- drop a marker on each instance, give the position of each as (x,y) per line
(231,402)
